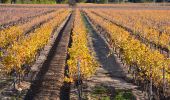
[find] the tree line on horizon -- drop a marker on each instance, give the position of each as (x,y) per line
(77,1)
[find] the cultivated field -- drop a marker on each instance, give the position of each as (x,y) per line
(90,52)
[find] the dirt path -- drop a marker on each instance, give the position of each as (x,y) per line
(111,72)
(49,82)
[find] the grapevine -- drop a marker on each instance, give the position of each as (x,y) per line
(80,51)
(134,52)
(24,52)
(142,25)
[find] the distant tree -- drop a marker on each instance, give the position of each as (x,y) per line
(72,2)
(58,1)
(3,1)
(13,1)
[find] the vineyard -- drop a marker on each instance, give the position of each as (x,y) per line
(86,52)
